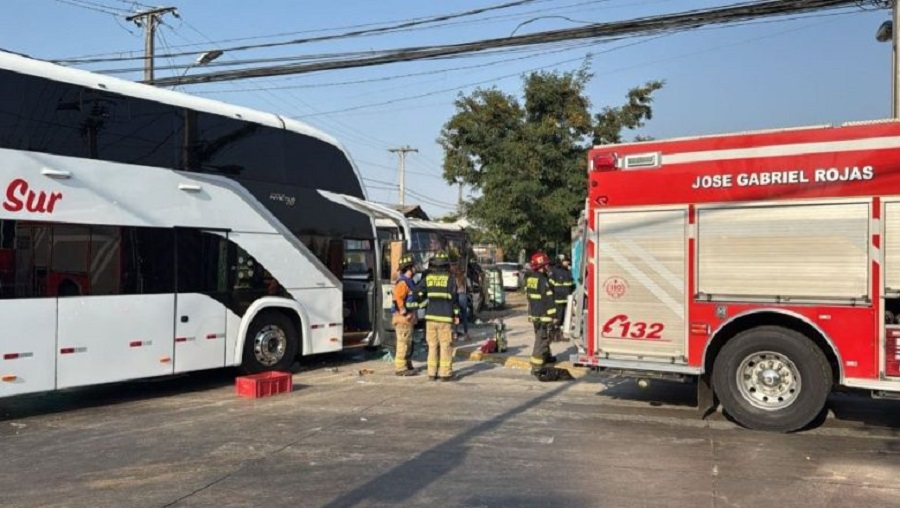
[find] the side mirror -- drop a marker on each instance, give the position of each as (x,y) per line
(885,32)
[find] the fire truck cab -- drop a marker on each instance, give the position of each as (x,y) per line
(766,265)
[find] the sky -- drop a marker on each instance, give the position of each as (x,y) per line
(786,72)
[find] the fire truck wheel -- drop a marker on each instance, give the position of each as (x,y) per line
(271,343)
(772,378)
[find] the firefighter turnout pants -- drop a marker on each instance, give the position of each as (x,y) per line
(403,358)
(541,352)
(440,348)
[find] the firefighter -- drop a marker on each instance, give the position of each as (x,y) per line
(403,315)
(441,313)
(562,284)
(541,312)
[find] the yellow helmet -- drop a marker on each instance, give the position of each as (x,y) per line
(406,262)
(440,259)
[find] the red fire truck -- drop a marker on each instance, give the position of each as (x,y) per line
(765,265)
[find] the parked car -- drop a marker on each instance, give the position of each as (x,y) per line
(510,273)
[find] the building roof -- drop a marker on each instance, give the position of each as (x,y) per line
(411,211)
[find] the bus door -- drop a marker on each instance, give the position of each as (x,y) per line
(116,302)
(28,335)
(375,211)
(203,279)
(391,250)
(359,279)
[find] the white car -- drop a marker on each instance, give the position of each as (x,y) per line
(510,275)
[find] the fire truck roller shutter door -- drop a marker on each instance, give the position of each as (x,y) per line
(641,264)
(785,251)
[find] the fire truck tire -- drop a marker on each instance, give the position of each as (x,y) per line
(772,378)
(271,343)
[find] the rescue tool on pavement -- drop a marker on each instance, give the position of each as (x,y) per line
(764,265)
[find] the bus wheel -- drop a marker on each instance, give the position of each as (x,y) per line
(271,343)
(772,378)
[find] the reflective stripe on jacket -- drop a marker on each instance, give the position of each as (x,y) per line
(561,283)
(439,289)
(541,305)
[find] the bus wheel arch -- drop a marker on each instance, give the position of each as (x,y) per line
(271,338)
(771,370)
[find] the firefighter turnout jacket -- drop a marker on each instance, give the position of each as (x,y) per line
(562,283)
(541,304)
(439,288)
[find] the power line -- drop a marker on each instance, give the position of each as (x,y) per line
(121,57)
(346,130)
(134,5)
(562,62)
(383,185)
(409,75)
(91,6)
(393,169)
(431,201)
(356,33)
(378,181)
(445,90)
(685,20)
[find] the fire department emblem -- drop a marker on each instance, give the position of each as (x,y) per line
(615,287)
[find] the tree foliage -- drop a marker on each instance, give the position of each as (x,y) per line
(525,158)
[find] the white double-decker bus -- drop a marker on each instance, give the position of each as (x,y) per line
(145,232)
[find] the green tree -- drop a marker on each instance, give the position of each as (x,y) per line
(525,159)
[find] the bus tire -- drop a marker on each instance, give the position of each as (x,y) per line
(772,378)
(272,343)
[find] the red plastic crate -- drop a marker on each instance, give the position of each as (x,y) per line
(264,384)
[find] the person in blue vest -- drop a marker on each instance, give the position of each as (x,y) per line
(403,315)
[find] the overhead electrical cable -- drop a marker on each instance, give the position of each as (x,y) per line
(641,26)
(357,33)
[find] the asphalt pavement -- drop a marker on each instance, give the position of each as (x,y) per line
(351,434)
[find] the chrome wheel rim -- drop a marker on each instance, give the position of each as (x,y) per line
(768,380)
(270,345)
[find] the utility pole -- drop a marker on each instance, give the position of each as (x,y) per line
(402,151)
(149,20)
(459,197)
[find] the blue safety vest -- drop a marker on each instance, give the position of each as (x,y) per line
(410,302)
